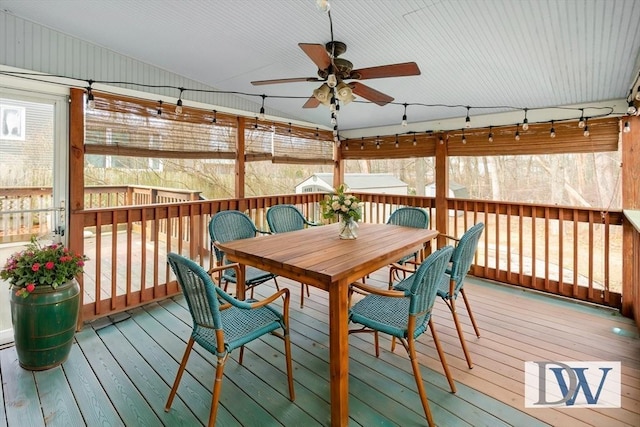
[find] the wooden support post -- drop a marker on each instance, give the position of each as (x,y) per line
(630,200)
(442,188)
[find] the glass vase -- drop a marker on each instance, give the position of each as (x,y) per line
(348,228)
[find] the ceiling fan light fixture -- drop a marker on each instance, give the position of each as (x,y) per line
(323,94)
(332,80)
(344,92)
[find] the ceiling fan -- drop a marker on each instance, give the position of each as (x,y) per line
(333,71)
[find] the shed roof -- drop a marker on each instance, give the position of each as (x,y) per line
(357,181)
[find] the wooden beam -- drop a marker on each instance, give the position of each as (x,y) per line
(239,163)
(442,188)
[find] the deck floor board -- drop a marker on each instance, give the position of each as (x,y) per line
(119,373)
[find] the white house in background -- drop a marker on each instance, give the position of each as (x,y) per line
(358,182)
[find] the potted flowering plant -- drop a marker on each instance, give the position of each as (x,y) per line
(45,300)
(347,207)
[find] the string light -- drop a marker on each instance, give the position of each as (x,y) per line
(627,127)
(404,116)
(215,117)
(581,123)
(335,130)
(441,140)
(179,103)
(261,115)
(317,133)
(377,142)
(415,141)
(255,125)
(525,122)
(517,136)
(552,131)
(586,128)
(468,119)
(334,120)
(632,109)
(464,138)
(490,137)
(346,145)
(91,102)
(159,110)
(362,143)
(397,144)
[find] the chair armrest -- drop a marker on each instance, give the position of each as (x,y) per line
(366,289)
(234,265)
(231,301)
(402,267)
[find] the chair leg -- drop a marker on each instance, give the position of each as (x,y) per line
(241,356)
(416,373)
(443,360)
(473,320)
(452,307)
(303,286)
(287,352)
(217,386)
(176,382)
(376,343)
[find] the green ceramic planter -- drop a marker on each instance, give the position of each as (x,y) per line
(44,325)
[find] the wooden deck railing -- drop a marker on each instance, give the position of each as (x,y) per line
(573,252)
(25,211)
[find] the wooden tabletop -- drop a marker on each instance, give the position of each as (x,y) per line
(319,257)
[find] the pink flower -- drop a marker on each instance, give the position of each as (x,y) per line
(80,263)
(49,265)
(30,287)
(35,267)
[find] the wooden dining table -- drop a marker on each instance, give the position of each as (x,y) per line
(318,257)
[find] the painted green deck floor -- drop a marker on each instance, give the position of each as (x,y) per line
(120,371)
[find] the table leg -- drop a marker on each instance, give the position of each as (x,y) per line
(339,353)
(241,283)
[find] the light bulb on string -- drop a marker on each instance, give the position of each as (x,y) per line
(586,128)
(517,135)
(552,131)
(159,110)
(362,143)
(255,124)
(261,114)
(467,120)
(377,142)
(415,141)
(525,122)
(91,101)
(397,144)
(333,119)
(490,137)
(179,103)
(581,122)
(215,117)
(631,110)
(627,127)
(346,145)
(464,138)
(335,130)
(404,116)
(441,140)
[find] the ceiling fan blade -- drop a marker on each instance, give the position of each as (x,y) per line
(369,93)
(391,70)
(312,102)
(317,53)
(291,80)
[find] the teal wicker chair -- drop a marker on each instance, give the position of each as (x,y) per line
(453,283)
(235,225)
(221,323)
(405,314)
(407,217)
(284,218)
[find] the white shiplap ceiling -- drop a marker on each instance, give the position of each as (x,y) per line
(480,53)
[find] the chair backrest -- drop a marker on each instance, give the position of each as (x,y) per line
(409,217)
(199,291)
(230,225)
(284,218)
(425,283)
(463,254)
